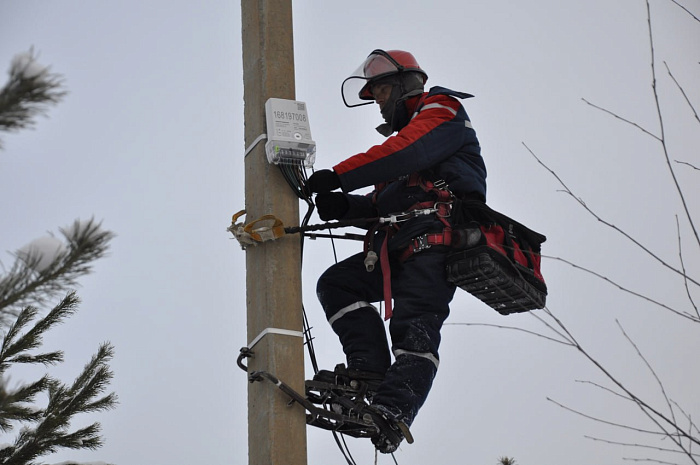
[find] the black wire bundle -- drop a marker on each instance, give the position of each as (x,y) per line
(294,173)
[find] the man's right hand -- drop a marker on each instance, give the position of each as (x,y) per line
(323,181)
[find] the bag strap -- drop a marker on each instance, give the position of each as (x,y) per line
(466,210)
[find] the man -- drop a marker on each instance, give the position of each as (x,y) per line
(433,158)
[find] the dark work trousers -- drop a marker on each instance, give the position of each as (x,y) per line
(421,297)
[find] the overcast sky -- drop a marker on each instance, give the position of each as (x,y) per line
(150,141)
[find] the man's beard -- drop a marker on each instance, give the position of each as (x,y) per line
(394,110)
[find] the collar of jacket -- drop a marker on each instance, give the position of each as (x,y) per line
(413,104)
(436,91)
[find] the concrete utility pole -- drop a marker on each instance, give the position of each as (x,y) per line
(276,431)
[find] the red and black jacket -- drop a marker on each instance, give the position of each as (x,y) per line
(438,143)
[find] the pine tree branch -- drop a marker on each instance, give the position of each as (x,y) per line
(30,90)
(91,382)
(12,404)
(50,433)
(41,271)
(51,358)
(47,430)
(25,283)
(12,349)
(24,317)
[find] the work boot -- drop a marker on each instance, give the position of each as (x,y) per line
(390,429)
(350,377)
(370,378)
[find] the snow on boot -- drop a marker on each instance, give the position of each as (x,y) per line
(390,430)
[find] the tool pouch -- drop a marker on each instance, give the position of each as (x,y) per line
(496,259)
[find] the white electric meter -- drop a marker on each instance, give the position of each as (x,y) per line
(288,133)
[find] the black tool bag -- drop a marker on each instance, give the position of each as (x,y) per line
(495,258)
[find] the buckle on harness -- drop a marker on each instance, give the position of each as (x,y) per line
(395,218)
(420,243)
(442,209)
(440,184)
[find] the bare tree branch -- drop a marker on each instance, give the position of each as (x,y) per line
(689,217)
(514,328)
(606,422)
(645,131)
(657,417)
(685,281)
(651,461)
(651,369)
(686,163)
(685,96)
(691,424)
(606,389)
(643,446)
(624,289)
(686,10)
(607,223)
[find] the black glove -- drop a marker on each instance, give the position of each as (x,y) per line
(332,205)
(323,181)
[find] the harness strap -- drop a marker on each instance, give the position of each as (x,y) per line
(443,204)
(426,241)
(444,209)
(386,276)
(383,262)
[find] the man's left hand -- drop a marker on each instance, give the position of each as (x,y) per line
(332,205)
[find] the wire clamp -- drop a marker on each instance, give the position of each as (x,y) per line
(247,352)
(266,228)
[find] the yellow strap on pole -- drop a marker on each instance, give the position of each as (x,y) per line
(265,232)
(266,228)
(237,215)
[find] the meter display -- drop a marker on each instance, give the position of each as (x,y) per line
(288,133)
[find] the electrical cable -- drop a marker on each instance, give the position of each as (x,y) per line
(294,173)
(344,448)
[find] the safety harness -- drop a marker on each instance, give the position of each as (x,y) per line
(441,206)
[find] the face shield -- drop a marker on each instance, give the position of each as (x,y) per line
(355,89)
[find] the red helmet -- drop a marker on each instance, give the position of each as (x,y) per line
(379,64)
